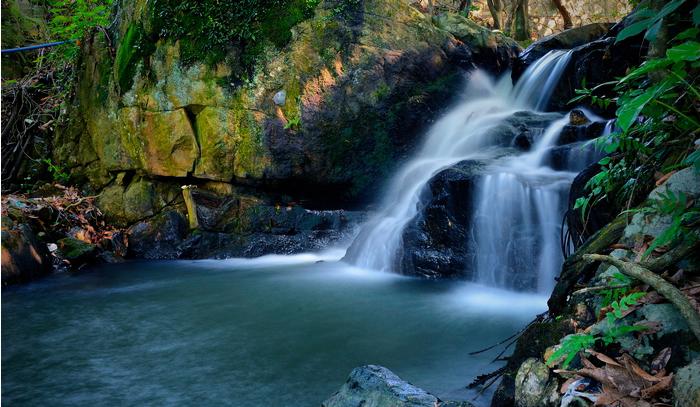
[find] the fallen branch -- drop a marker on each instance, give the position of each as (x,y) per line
(663,287)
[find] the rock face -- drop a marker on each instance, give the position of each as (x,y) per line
(377,386)
(329,111)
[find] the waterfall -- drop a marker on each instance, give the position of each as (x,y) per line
(519,198)
(517,218)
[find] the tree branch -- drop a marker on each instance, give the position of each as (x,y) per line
(668,290)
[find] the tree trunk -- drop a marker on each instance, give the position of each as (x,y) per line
(496,9)
(564,14)
(465,5)
(521,20)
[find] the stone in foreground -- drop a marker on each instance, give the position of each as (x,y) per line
(377,386)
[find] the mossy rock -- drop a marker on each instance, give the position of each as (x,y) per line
(75,250)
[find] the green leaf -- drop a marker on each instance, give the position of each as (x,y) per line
(688,51)
(648,21)
(653,31)
(630,110)
(645,68)
(696,15)
(634,29)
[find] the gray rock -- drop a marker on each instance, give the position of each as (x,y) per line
(533,387)
(685,181)
(280,98)
(667,315)
(377,386)
(686,385)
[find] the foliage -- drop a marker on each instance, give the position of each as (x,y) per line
(619,287)
(657,119)
(71,20)
(293,123)
(573,344)
(209,29)
(57,172)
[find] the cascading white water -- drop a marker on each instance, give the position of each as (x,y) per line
(518,196)
(517,218)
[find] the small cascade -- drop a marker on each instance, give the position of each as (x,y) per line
(515,222)
(518,205)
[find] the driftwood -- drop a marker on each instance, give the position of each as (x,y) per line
(663,287)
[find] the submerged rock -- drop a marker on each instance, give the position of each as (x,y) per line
(377,386)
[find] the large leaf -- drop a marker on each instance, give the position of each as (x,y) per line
(648,66)
(628,112)
(648,20)
(688,51)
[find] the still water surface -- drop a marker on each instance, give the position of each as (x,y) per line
(275,331)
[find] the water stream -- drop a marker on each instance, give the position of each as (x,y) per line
(273,331)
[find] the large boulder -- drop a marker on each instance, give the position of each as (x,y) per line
(435,242)
(377,386)
(360,82)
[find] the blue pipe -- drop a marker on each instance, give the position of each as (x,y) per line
(33,47)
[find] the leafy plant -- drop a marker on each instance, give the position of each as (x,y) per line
(71,20)
(293,123)
(657,119)
(573,344)
(57,172)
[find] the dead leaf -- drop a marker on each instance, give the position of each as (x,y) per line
(604,358)
(660,361)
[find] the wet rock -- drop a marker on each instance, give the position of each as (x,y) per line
(158,237)
(24,258)
(578,117)
(533,386)
(521,129)
(377,386)
(686,385)
(584,131)
(435,242)
(596,57)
